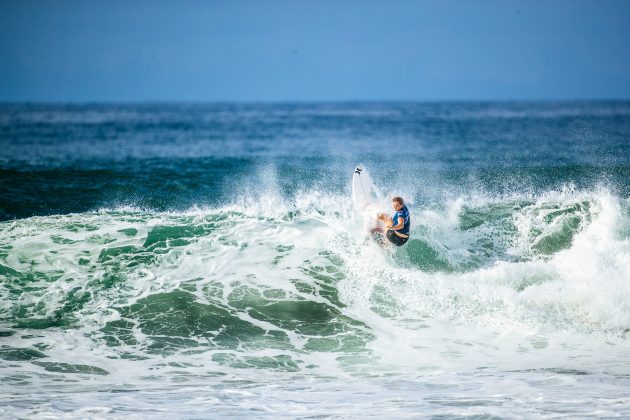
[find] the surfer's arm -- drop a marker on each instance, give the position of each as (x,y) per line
(390,222)
(400,224)
(387,221)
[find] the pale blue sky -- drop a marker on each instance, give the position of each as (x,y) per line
(313,50)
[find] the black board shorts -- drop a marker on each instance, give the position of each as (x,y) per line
(395,239)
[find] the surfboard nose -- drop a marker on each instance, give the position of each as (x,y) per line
(358,170)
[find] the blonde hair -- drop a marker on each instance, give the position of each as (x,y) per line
(398,200)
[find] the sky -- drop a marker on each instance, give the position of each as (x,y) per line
(307,50)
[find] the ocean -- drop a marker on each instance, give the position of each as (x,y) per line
(191,260)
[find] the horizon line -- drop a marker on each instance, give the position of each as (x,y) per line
(301,101)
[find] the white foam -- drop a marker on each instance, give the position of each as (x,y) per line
(520,310)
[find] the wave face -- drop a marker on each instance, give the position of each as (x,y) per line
(258,292)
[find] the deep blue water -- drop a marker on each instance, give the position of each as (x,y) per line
(73,158)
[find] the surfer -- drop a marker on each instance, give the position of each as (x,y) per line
(397,226)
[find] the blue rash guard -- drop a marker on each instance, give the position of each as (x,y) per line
(404,213)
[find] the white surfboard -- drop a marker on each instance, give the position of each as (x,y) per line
(366,198)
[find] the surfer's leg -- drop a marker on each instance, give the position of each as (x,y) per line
(377,229)
(395,239)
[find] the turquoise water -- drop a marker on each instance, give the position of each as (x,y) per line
(205,260)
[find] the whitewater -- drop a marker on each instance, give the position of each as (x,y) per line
(272,300)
